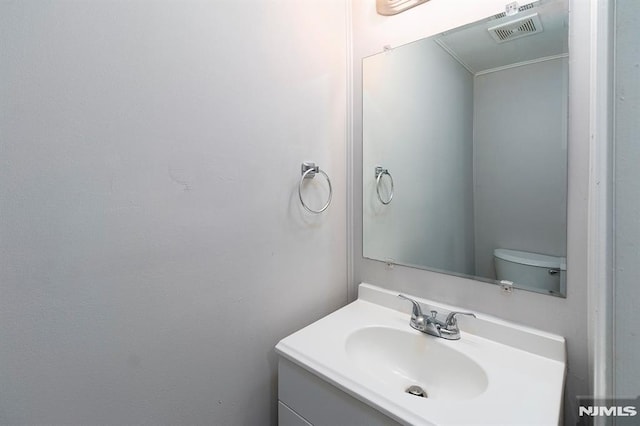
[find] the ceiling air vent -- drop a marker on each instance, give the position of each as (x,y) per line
(520,9)
(521,27)
(526,7)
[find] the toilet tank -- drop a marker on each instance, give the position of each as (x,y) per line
(534,271)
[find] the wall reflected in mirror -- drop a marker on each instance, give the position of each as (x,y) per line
(470,128)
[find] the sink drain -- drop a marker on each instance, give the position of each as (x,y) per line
(416,391)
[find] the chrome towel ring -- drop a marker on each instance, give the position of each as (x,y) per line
(379,173)
(309,171)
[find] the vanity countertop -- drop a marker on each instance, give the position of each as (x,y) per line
(500,372)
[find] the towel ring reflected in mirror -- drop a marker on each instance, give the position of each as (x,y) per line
(380,172)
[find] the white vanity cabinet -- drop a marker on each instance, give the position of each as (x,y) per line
(305,399)
(361,364)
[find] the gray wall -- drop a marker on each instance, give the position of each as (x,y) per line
(567,317)
(520,165)
(627,199)
(418,113)
(152,248)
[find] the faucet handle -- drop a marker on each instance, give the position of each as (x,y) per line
(417,311)
(451,318)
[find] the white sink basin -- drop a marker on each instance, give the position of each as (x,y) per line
(497,373)
(402,358)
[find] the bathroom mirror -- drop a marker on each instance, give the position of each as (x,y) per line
(465,150)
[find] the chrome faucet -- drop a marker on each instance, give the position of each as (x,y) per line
(447,329)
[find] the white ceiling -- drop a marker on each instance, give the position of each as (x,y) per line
(474,47)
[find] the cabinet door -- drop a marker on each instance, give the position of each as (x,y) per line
(288,417)
(322,404)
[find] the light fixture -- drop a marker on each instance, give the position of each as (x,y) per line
(393,7)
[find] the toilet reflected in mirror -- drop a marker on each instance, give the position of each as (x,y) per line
(533,271)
